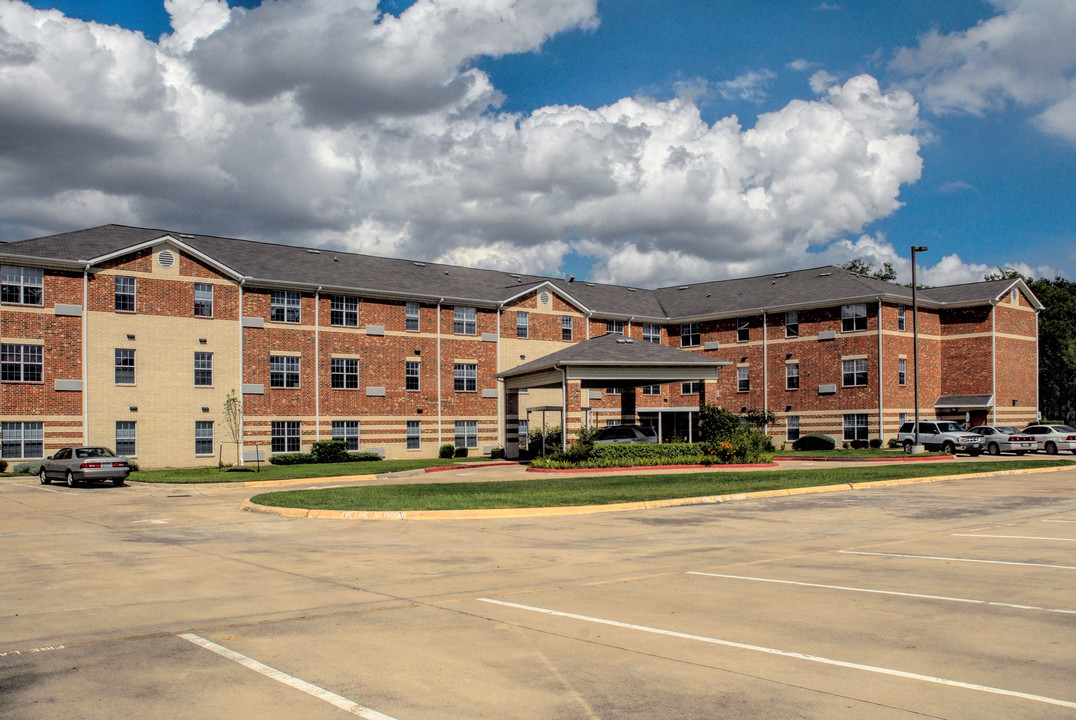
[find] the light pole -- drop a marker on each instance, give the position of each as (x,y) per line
(916,448)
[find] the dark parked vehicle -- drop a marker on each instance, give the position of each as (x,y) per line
(1052,438)
(1005,438)
(615,434)
(84,464)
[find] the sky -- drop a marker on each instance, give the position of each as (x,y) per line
(640,142)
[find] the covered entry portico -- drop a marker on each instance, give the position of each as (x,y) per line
(609,361)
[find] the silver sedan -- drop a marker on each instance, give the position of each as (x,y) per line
(78,464)
(1052,438)
(1005,438)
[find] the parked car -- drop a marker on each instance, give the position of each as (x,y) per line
(84,464)
(1005,438)
(1052,438)
(941,435)
(616,434)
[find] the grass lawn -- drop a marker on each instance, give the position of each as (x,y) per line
(561,491)
(289,472)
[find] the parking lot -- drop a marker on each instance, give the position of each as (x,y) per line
(951,599)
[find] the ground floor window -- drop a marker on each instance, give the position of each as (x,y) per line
(855,426)
(347,431)
(792,432)
(285,436)
(125,437)
(203,437)
(413,437)
(524,429)
(22,440)
(466,433)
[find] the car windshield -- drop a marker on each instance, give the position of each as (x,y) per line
(949,427)
(1006,429)
(1064,428)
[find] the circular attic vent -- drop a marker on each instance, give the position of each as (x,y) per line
(544,298)
(166,259)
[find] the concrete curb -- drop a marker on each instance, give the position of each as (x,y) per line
(649,468)
(618,507)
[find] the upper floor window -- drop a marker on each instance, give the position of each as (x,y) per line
(344,373)
(902,371)
(522,323)
(22,285)
(344,310)
(125,294)
(792,376)
(125,366)
(743,329)
(690,388)
(651,389)
(855,372)
(689,335)
(853,317)
(652,333)
(743,379)
(21,363)
(567,326)
(203,369)
(464,320)
(900,317)
(284,306)
(465,377)
(411,317)
(792,324)
(283,371)
(614,327)
(203,300)
(412,374)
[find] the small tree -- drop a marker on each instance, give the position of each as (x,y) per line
(758,417)
(233,422)
(716,423)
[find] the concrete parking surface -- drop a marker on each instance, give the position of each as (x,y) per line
(951,599)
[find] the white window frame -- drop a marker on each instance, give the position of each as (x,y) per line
(203,432)
(344,311)
(792,376)
(19,283)
(792,324)
(567,328)
(464,320)
(22,363)
(743,329)
(125,295)
(344,373)
(743,379)
(288,369)
(857,369)
(412,314)
(348,432)
(690,387)
(203,299)
(902,311)
(16,437)
(854,317)
(126,434)
(614,327)
(285,306)
(467,431)
(652,333)
(465,377)
(856,425)
(288,433)
(124,365)
(902,371)
(522,324)
(651,389)
(414,435)
(412,375)
(690,334)
(203,363)
(792,427)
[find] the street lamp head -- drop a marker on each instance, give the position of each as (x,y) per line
(919,248)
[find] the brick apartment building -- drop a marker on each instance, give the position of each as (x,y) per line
(134,338)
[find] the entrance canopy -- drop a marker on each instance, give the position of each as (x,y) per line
(613,361)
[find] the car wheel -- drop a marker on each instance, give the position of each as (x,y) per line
(1051,448)
(993,449)
(117,481)
(948,448)
(43,477)
(71,482)
(908,444)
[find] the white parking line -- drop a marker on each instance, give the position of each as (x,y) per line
(1064,521)
(1015,537)
(794,655)
(921,596)
(953,559)
(330,697)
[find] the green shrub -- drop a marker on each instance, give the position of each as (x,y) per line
(497,454)
(309,458)
(815,441)
(3,465)
(291,459)
(716,423)
(460,452)
(860,444)
(446,451)
(876,443)
(579,451)
(893,444)
(325,451)
(31,467)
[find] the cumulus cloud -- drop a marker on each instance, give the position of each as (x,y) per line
(327,122)
(1024,55)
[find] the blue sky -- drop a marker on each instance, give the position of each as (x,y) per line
(543,142)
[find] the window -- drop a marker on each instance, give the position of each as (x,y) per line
(203,369)
(902,418)
(22,440)
(689,388)
(651,389)
(902,371)
(203,437)
(652,333)
(348,432)
(203,300)
(792,324)
(284,306)
(1014,296)
(344,311)
(612,391)
(465,377)
(614,327)
(285,436)
(792,431)
(125,437)
(900,317)
(613,423)
(689,335)
(21,363)
(467,433)
(412,374)
(464,320)
(853,317)
(411,317)
(524,431)
(522,324)
(566,327)
(792,376)
(125,294)
(743,379)
(413,435)
(21,285)
(125,366)
(283,371)
(855,426)
(743,329)
(855,372)
(344,373)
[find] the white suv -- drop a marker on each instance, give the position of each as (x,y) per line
(940,435)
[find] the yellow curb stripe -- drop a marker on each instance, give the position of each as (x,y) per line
(494,513)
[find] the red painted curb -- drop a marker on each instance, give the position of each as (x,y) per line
(443,468)
(641,468)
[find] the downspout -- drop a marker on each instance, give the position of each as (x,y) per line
(765,376)
(242,430)
(994,361)
(1036,366)
(439,417)
(881,399)
(564,410)
(317,364)
(85,367)
(501,437)
(588,324)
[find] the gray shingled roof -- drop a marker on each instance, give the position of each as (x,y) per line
(267,263)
